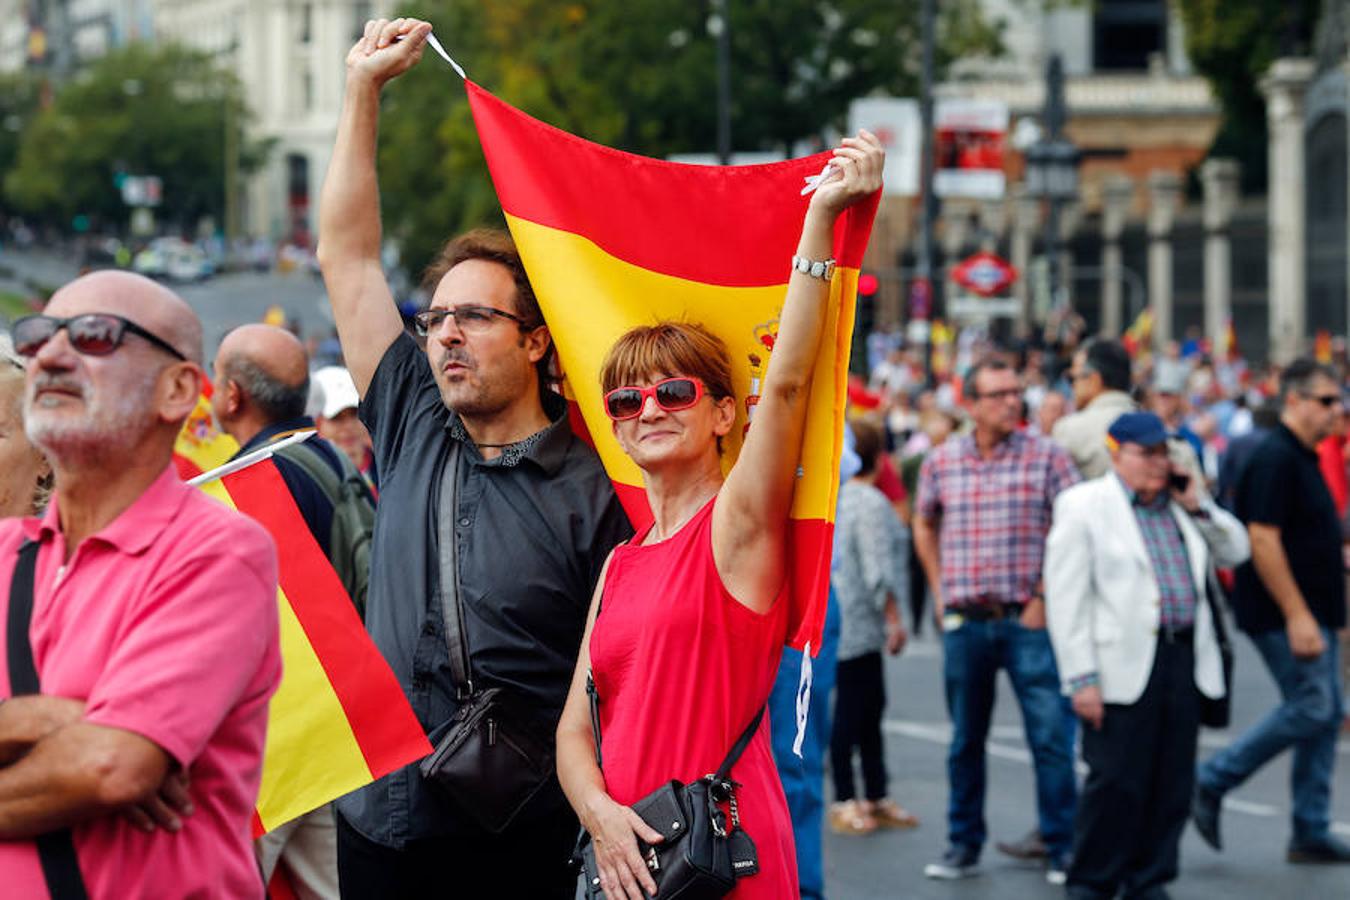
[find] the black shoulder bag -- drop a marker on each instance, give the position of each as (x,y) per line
(1215,713)
(704,849)
(493,759)
(56,849)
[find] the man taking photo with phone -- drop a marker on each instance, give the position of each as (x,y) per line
(1127,566)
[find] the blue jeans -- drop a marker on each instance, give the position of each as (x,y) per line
(1308,720)
(974,652)
(804,778)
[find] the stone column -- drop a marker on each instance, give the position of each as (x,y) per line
(1117,196)
(1285,86)
(1164,196)
(1070,217)
(1026,219)
(1221,181)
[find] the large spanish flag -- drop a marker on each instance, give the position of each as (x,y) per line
(612,241)
(339,720)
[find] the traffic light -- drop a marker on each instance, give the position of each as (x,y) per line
(864,320)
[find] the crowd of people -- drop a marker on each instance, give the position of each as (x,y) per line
(1075,514)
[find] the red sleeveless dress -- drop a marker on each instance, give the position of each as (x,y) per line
(681,668)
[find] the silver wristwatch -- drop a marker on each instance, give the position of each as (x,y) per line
(815,268)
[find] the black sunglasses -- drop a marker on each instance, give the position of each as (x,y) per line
(1327,400)
(93,334)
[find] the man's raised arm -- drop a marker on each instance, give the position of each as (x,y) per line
(349,208)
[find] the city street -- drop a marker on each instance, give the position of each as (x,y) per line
(890,864)
(222,302)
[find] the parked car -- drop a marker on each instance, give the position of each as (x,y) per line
(173,259)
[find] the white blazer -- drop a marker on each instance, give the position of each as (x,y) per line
(1101,596)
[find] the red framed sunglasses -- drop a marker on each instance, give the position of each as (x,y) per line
(671,394)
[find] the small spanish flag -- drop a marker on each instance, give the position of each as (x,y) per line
(339,720)
(612,241)
(201,445)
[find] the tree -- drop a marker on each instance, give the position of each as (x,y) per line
(1232,45)
(140,110)
(640,76)
(20,94)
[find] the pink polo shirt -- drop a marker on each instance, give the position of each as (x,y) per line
(165,624)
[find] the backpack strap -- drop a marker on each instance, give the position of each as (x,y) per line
(56,849)
(724,770)
(307,458)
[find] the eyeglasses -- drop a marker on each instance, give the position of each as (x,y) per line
(468,319)
(672,395)
(1078,376)
(1005,394)
(1327,400)
(93,334)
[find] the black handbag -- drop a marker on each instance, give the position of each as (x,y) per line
(1216,712)
(56,849)
(703,849)
(493,756)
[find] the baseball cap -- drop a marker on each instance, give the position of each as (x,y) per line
(1142,428)
(339,391)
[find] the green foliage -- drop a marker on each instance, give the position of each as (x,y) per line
(1232,45)
(20,93)
(642,76)
(141,110)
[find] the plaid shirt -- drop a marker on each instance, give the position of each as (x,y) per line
(995,514)
(1171,568)
(1171,565)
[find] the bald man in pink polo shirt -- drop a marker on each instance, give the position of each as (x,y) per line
(134,769)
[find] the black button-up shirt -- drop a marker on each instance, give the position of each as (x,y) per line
(534,528)
(1282,486)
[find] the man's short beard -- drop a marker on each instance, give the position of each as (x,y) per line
(111,426)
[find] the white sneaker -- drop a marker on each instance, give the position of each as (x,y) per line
(957,862)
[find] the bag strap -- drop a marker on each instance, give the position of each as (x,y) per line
(594,696)
(56,849)
(448,551)
(724,770)
(307,458)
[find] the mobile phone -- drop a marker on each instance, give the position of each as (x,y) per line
(1179,481)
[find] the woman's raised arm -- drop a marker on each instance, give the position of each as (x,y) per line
(749,528)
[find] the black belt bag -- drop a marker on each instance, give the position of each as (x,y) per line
(495,754)
(703,849)
(492,761)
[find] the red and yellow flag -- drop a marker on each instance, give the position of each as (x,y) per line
(612,241)
(339,720)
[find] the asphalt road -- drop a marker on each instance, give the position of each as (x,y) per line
(890,864)
(222,302)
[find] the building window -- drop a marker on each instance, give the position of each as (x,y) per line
(1125,33)
(306,22)
(306,90)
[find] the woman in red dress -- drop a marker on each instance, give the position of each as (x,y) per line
(691,613)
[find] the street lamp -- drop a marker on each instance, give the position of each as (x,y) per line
(1052,171)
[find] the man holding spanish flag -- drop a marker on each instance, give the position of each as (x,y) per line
(486,493)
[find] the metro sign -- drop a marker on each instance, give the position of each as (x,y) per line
(985,274)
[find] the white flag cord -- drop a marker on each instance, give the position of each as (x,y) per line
(436,45)
(803,700)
